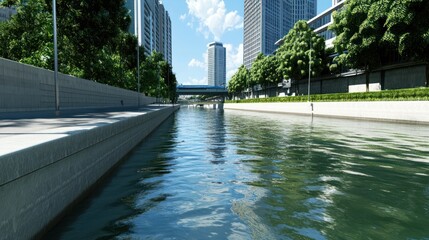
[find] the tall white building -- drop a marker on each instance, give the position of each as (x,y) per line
(266,21)
(216,64)
(152,25)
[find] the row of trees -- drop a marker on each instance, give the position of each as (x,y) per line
(93,43)
(370,34)
(290,61)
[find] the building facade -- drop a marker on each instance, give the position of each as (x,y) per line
(216,64)
(152,25)
(321,22)
(266,21)
(6,13)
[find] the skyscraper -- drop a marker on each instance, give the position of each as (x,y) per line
(152,23)
(216,64)
(266,21)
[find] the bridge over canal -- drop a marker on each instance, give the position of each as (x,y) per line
(201,90)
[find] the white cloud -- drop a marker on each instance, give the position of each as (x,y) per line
(234,59)
(196,63)
(200,64)
(213,18)
(195,81)
(183,16)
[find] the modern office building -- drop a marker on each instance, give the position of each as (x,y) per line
(321,22)
(266,21)
(152,25)
(216,64)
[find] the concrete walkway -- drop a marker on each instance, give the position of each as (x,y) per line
(23,130)
(415,112)
(48,162)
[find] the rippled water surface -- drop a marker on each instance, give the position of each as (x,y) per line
(211,174)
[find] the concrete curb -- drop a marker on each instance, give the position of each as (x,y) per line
(38,183)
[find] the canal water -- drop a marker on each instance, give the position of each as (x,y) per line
(213,174)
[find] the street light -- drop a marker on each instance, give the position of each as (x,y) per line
(137,18)
(309,70)
(57,94)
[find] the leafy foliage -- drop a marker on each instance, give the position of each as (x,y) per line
(373,33)
(158,78)
(265,70)
(239,81)
(93,43)
(413,94)
(294,53)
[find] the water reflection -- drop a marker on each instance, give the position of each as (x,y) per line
(239,175)
(216,137)
(328,178)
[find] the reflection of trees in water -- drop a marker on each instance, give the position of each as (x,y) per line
(131,190)
(323,181)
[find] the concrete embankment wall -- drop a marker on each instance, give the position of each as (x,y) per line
(393,111)
(393,77)
(38,183)
(27,88)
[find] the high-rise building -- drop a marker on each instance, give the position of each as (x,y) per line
(266,21)
(216,64)
(321,22)
(152,25)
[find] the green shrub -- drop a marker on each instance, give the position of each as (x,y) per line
(411,94)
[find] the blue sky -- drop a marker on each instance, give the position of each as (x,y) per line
(196,23)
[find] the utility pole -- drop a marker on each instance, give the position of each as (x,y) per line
(57,94)
(309,70)
(137,19)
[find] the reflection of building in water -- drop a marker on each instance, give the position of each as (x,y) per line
(6,13)
(216,138)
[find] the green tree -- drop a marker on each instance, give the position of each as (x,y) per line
(255,72)
(92,29)
(294,53)
(271,71)
(358,37)
(27,36)
(158,79)
(169,81)
(407,26)
(373,33)
(239,81)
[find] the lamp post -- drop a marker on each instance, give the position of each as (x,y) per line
(309,70)
(57,94)
(137,19)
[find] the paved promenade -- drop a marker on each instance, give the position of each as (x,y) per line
(22,130)
(47,162)
(416,112)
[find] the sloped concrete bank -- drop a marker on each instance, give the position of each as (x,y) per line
(46,171)
(392,111)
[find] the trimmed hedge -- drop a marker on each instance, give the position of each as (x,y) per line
(411,94)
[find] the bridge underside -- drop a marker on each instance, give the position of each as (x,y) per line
(201,90)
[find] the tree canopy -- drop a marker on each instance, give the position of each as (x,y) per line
(93,42)
(294,53)
(239,81)
(373,33)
